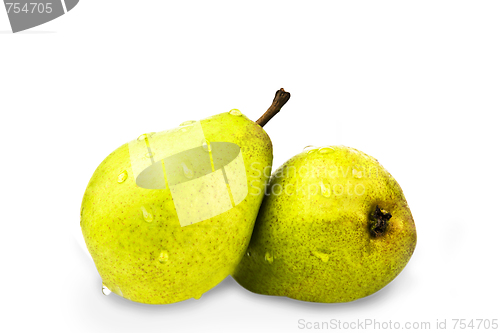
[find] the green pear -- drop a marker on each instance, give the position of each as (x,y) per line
(334,226)
(169,215)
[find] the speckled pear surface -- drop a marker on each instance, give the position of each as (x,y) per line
(335,227)
(134,235)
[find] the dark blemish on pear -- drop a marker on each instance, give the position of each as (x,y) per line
(378,222)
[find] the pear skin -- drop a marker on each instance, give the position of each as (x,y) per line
(334,226)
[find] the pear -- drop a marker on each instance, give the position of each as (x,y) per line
(334,226)
(169,215)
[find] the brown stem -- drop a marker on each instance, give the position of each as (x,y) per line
(280,99)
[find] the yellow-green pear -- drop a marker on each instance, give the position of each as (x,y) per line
(334,226)
(169,215)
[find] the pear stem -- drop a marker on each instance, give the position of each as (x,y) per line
(280,99)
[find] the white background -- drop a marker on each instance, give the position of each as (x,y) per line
(414,84)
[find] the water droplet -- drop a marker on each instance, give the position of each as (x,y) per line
(149,154)
(148,217)
(325,189)
(357,173)
(188,171)
(206,146)
(197,296)
(323,256)
(269,257)
(142,137)
(249,254)
(308,148)
(326,150)
(105,290)
(122,176)
(163,257)
(118,291)
(354,151)
(189,122)
(235,112)
(312,151)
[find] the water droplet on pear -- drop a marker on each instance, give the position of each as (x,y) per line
(312,151)
(320,255)
(186,123)
(188,171)
(163,257)
(357,173)
(206,146)
(148,217)
(122,176)
(309,148)
(142,137)
(118,291)
(326,150)
(235,112)
(105,290)
(269,257)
